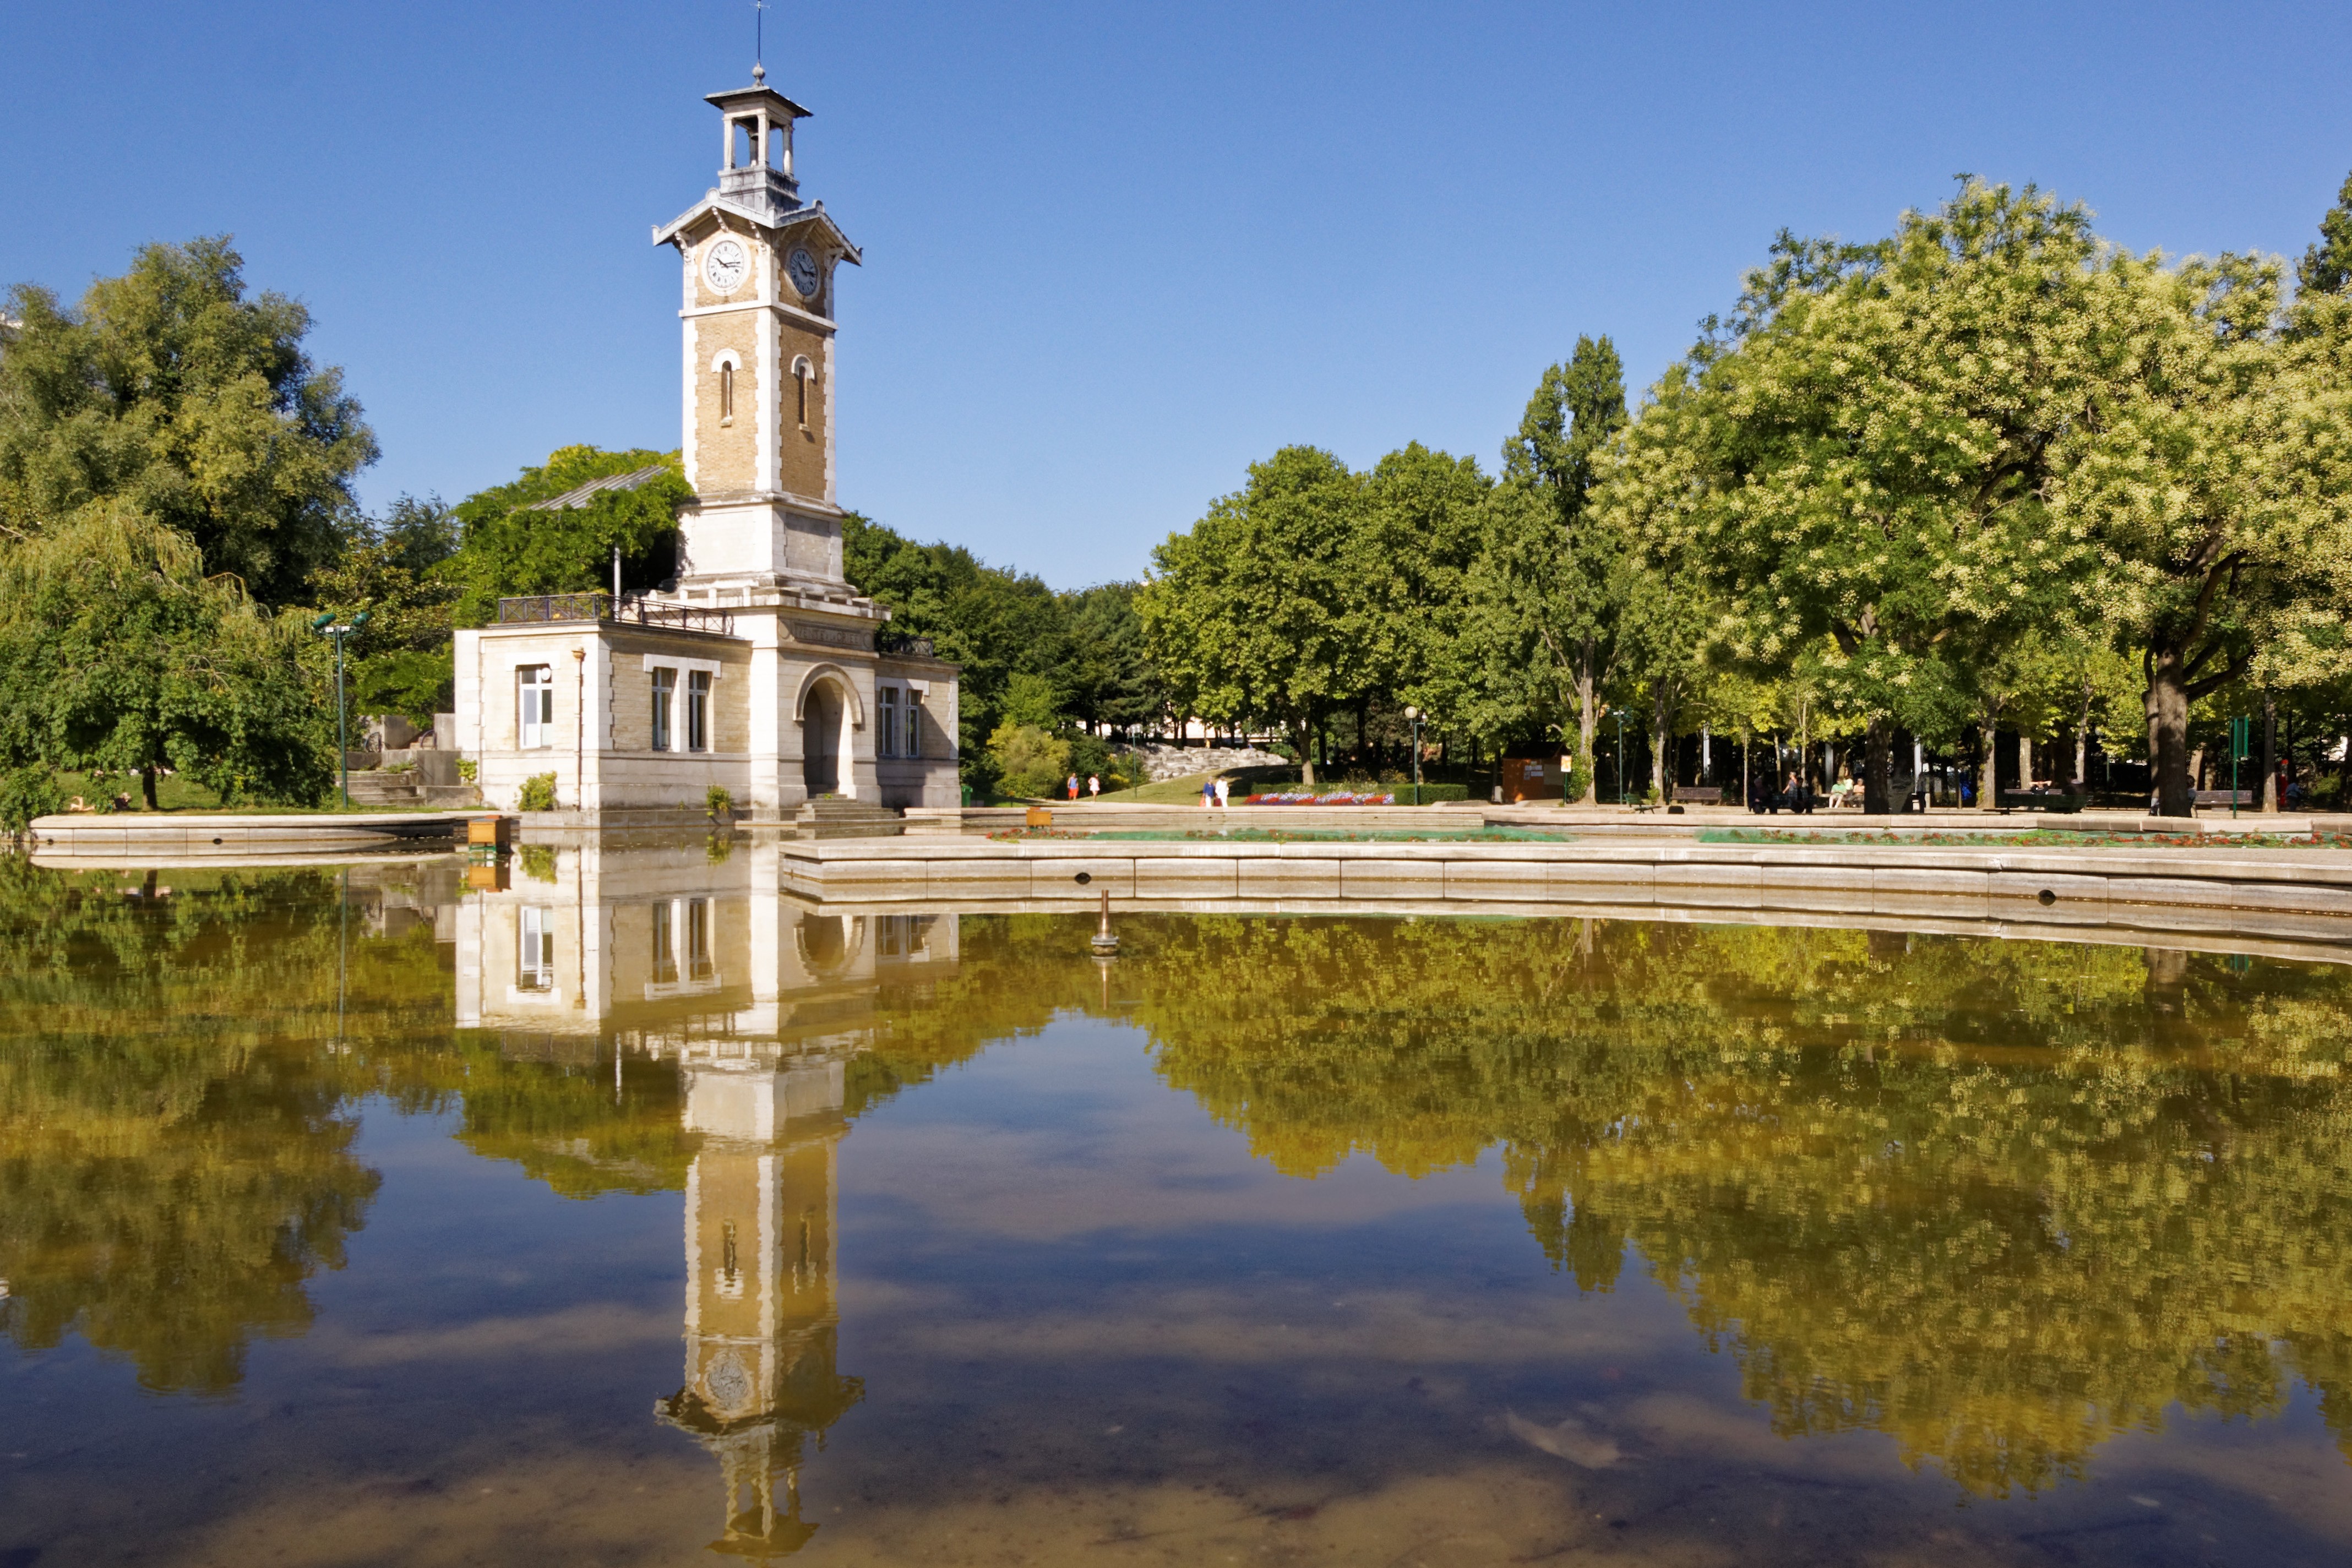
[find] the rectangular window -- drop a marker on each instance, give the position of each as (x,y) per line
(535,949)
(664,692)
(698,939)
(698,710)
(665,946)
(886,741)
(534,707)
(911,728)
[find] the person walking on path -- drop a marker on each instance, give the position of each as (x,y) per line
(1074,786)
(1225,792)
(1208,793)
(1094,786)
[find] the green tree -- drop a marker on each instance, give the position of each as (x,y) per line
(992,622)
(173,391)
(1263,609)
(2326,265)
(121,655)
(2214,486)
(512,545)
(1114,683)
(400,662)
(1427,525)
(1865,452)
(1545,590)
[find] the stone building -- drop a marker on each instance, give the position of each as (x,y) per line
(759,669)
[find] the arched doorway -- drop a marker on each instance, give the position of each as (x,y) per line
(821,740)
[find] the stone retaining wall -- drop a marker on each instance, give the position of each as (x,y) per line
(213,836)
(2302,894)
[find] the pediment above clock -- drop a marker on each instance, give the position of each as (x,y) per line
(685,229)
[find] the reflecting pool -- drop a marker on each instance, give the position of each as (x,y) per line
(621,1209)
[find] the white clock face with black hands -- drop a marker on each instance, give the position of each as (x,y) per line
(804,273)
(724,265)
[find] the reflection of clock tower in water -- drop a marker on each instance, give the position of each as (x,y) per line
(760,1323)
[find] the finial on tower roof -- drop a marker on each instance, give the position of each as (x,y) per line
(759,41)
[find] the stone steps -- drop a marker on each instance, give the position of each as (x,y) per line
(375,787)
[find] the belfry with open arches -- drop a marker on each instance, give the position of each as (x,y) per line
(760,668)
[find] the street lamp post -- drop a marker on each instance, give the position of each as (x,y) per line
(1415,715)
(1620,756)
(327,626)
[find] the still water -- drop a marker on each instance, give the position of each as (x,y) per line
(632,1212)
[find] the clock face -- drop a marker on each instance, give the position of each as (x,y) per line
(724,265)
(804,273)
(730,1383)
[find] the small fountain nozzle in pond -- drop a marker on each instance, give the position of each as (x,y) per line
(1105,943)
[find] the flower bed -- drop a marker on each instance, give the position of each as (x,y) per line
(1304,798)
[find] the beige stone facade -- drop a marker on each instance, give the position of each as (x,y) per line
(761,627)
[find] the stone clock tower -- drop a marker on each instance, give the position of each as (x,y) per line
(757,368)
(761,670)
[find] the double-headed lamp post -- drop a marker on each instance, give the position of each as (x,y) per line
(1416,716)
(327,626)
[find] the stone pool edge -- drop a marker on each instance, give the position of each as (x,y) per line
(2304,895)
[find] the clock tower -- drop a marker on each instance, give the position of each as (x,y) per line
(756,318)
(761,670)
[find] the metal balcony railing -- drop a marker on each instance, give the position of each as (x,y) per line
(538,607)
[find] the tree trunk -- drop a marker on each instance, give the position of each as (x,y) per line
(2270,752)
(2024,760)
(2168,733)
(1586,721)
(147,787)
(1659,712)
(1301,735)
(1878,768)
(1989,764)
(2083,743)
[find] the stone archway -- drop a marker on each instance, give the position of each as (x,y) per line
(821,729)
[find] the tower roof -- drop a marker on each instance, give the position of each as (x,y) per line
(751,100)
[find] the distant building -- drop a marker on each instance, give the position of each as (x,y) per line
(761,669)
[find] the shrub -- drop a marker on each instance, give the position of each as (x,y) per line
(538,792)
(718,802)
(468,768)
(1029,762)
(26,794)
(538,861)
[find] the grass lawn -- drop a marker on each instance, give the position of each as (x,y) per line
(174,793)
(1186,790)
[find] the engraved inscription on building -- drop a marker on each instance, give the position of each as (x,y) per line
(830,637)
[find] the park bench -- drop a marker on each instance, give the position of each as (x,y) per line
(1701,795)
(2041,800)
(2241,798)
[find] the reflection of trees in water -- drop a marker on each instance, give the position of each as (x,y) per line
(177,1070)
(2000,1200)
(174,1158)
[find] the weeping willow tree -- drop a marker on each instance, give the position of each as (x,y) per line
(120,655)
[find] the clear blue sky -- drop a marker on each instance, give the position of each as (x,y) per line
(1114,252)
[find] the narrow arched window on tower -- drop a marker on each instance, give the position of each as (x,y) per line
(803,377)
(727,395)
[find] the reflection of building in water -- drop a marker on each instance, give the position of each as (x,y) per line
(761,1324)
(659,947)
(762,1006)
